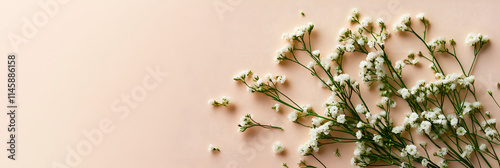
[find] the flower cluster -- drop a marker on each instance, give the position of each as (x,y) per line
(223,102)
(444,111)
(473,39)
(299,32)
(373,68)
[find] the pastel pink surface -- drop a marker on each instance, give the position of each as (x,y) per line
(92,53)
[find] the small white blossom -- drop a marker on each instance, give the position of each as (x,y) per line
(317,121)
(483,147)
(398,129)
(361,109)
(421,16)
(377,138)
(341,119)
(404,93)
(359,134)
(293,116)
(461,131)
(281,79)
(212,148)
(332,56)
(311,64)
(424,162)
(278,147)
(276,107)
(211,101)
(315,53)
(366,21)
(412,150)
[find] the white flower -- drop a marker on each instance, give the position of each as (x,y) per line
(398,129)
(212,148)
(325,64)
(472,39)
(315,53)
(226,100)
(399,65)
(242,75)
(211,101)
(405,19)
(311,64)
(245,120)
(371,43)
(361,41)
(443,163)
(412,150)
(359,134)
(332,56)
(404,93)
(278,147)
(483,147)
(293,116)
(461,131)
(492,121)
(342,79)
(281,53)
(454,122)
(424,162)
(442,152)
(490,133)
(377,138)
(317,121)
(341,119)
(343,32)
(281,79)
(366,21)
(468,150)
(410,120)
(420,16)
(276,107)
(360,125)
(349,48)
(426,126)
(380,21)
(360,109)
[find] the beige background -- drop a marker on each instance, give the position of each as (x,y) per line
(90,54)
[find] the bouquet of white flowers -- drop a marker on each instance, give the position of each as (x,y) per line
(462,133)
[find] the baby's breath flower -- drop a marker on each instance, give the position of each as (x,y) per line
(421,16)
(398,129)
(293,116)
(377,138)
(412,150)
(213,148)
(311,64)
(366,21)
(333,56)
(359,134)
(278,147)
(424,162)
(224,101)
(341,119)
(483,147)
(276,107)
(461,131)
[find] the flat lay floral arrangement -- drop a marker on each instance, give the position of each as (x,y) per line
(445,112)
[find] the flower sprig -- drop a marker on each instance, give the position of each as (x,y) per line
(223,102)
(445,111)
(247,121)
